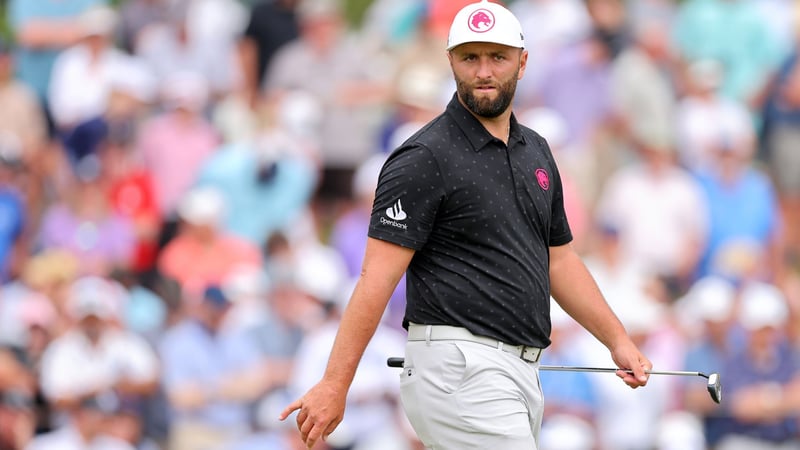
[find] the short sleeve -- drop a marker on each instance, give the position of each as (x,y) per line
(407,199)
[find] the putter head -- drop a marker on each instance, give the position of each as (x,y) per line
(715,387)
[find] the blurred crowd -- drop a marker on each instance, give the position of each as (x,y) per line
(186,185)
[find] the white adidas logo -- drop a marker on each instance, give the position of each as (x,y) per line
(395,212)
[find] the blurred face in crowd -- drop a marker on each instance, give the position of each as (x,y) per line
(486,76)
(322,32)
(205,233)
(89,421)
(92,326)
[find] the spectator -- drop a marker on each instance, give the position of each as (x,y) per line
(267,183)
(174,144)
(43,29)
(136,17)
(86,429)
(642,80)
(49,273)
(708,316)
(742,203)
(704,114)
(211,377)
(132,195)
(758,375)
(172,48)
(84,224)
(292,312)
(656,197)
(96,355)
(549,27)
(203,253)
(83,75)
(734,32)
(577,85)
(647,323)
(417,97)
(781,131)
(271,24)
(22,116)
(339,71)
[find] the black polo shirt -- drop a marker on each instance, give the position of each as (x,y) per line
(481,216)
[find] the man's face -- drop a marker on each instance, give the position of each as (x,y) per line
(486,76)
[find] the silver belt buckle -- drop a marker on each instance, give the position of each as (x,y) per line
(531,354)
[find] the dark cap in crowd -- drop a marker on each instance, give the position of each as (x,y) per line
(214,296)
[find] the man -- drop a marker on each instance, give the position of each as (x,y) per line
(471,207)
(211,376)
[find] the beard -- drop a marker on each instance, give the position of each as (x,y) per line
(484,106)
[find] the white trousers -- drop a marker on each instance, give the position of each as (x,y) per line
(462,395)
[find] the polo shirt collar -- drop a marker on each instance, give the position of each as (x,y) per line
(474,130)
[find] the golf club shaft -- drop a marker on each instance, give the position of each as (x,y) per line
(612,370)
(398,362)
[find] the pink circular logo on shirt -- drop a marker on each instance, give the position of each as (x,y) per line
(543,178)
(481,21)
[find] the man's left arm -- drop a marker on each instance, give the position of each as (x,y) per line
(574,288)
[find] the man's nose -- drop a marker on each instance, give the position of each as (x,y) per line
(484,68)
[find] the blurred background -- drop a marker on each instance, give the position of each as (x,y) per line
(185,190)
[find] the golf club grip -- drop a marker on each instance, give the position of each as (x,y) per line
(395,361)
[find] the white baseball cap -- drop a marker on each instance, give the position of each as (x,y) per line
(485,22)
(763,305)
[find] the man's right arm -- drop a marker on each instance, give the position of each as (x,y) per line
(322,407)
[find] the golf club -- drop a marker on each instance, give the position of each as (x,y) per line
(714,384)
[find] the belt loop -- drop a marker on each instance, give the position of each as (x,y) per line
(500,345)
(428,329)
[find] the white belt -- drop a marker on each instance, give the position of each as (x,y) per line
(448,333)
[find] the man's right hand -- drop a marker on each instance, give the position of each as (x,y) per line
(321,410)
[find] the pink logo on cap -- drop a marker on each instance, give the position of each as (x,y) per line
(543,178)
(481,21)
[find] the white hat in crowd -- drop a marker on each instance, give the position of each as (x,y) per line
(245,281)
(202,205)
(185,90)
(566,432)
(711,298)
(365,179)
(320,272)
(94,296)
(485,22)
(638,312)
(762,306)
(98,21)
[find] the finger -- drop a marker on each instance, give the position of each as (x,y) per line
(628,378)
(314,434)
(330,429)
(639,372)
(294,406)
(301,418)
(305,428)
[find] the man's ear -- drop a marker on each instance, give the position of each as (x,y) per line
(523,63)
